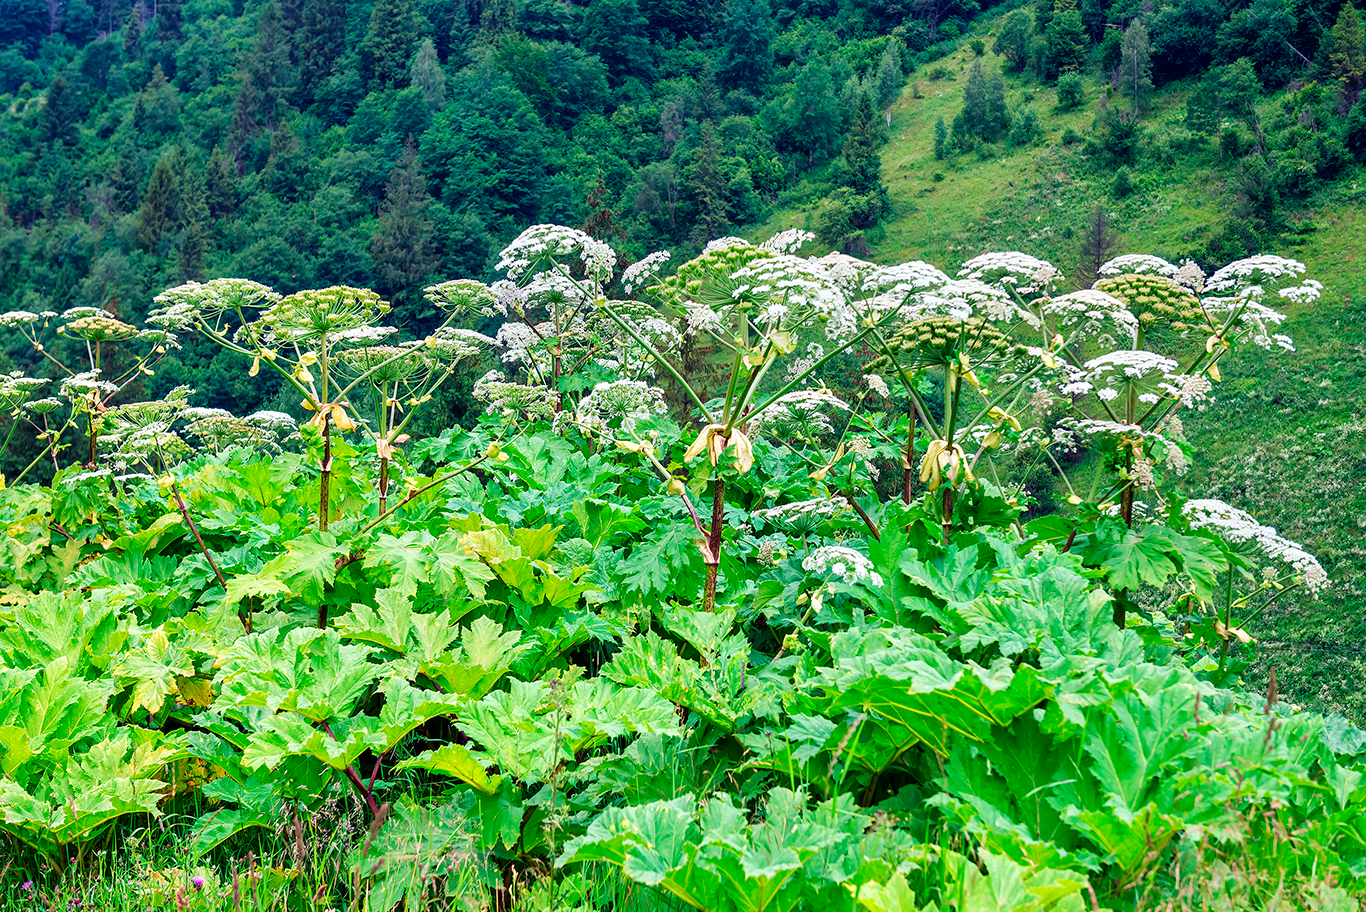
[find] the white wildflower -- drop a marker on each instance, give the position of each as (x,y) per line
(848,565)
(1137,264)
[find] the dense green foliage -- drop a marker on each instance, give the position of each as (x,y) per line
(538,677)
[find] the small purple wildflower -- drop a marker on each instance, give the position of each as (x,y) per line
(198,882)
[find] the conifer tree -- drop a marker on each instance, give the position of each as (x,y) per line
(320,40)
(862,171)
(707,184)
(1097,246)
(461,35)
(132,35)
(888,79)
(220,184)
(58,118)
(1136,64)
(269,65)
(1349,54)
(1066,40)
(425,72)
(394,26)
(401,246)
(160,208)
(194,244)
(941,139)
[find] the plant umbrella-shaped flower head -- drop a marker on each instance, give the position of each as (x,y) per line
(463,298)
(313,314)
(181,307)
(1137,264)
(98,328)
(943,340)
(386,364)
(1156,301)
(16,389)
(1087,314)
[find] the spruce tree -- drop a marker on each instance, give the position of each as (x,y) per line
(1349,54)
(401,246)
(1097,246)
(888,79)
(268,63)
(941,139)
(975,116)
(394,26)
(194,243)
(160,208)
(862,166)
(425,72)
(320,40)
(707,184)
(1136,64)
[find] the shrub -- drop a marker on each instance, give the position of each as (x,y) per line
(1071,93)
(1123,185)
(1024,127)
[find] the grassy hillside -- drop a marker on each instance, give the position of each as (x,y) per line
(1286,438)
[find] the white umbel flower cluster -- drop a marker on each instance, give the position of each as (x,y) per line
(846,564)
(1137,264)
(620,400)
(1240,526)
(640,271)
(1007,267)
(553,242)
(1089,313)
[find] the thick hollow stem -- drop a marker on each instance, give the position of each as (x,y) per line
(713,556)
(325,479)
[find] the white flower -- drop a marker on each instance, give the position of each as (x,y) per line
(1256,270)
(789,241)
(1008,268)
(620,399)
(1089,313)
(877,385)
(848,565)
(636,274)
(1240,526)
(1137,264)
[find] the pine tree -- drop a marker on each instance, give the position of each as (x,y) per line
(1097,245)
(1349,54)
(1136,64)
(160,209)
(394,26)
(425,72)
(941,139)
(401,246)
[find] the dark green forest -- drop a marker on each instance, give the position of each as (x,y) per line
(305,143)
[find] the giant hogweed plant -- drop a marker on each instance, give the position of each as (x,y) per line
(898,712)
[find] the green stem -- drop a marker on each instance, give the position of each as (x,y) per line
(661,361)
